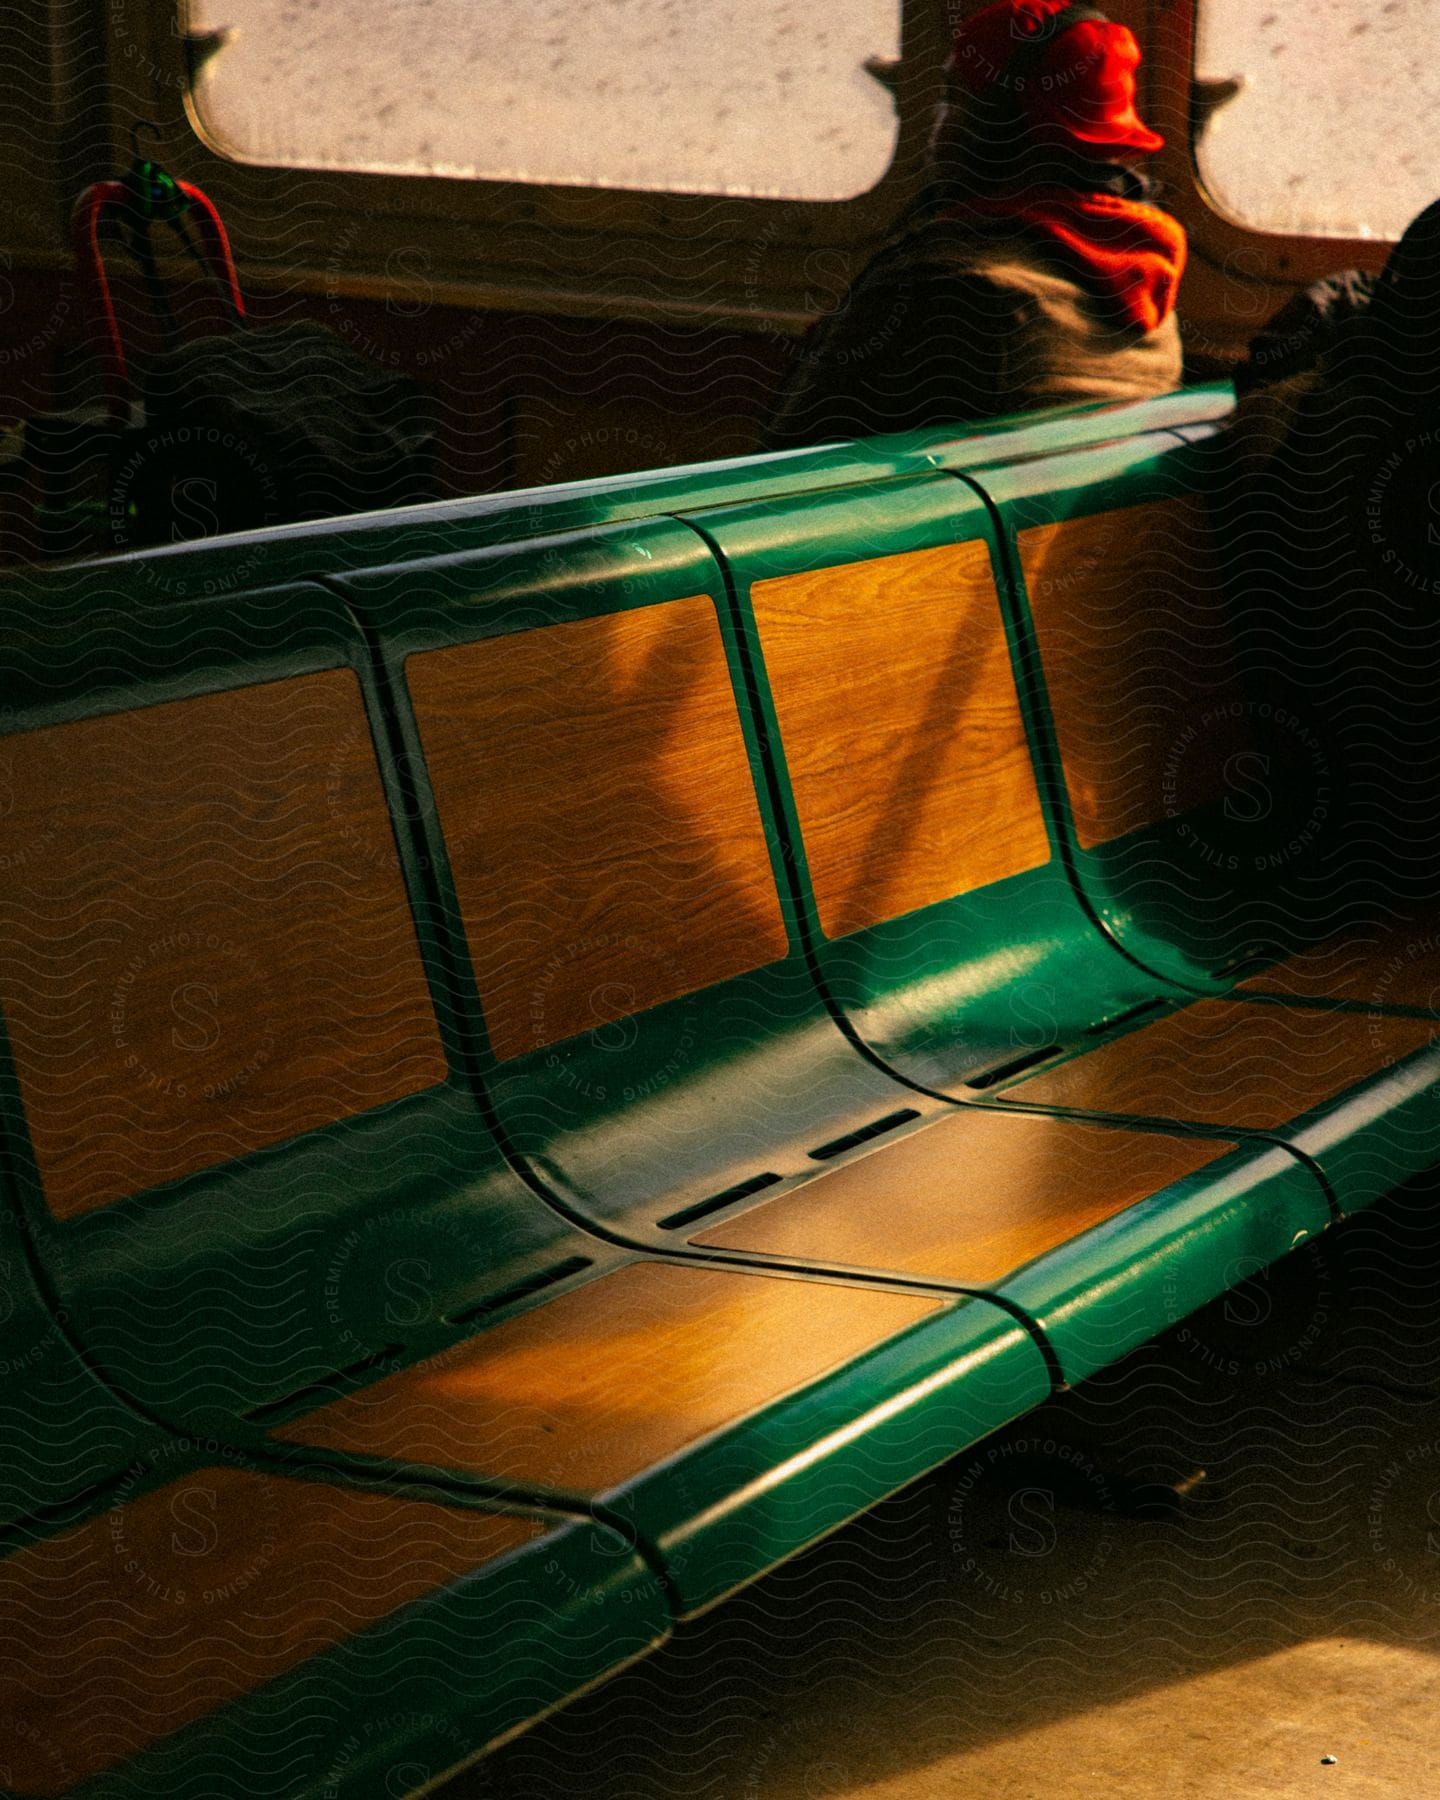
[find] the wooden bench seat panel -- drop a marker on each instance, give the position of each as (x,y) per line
(1397,964)
(205,941)
(968,1199)
(595,793)
(901,731)
(600,1383)
(1139,662)
(1230,1063)
(123,1629)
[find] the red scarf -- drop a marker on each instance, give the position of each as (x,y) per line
(1130,254)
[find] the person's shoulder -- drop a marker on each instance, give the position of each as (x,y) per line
(1312,326)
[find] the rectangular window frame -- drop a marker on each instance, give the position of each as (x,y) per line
(510,245)
(1237,277)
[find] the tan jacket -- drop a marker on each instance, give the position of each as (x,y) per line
(947,326)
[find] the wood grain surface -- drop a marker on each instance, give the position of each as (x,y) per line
(606,1380)
(1138,660)
(967,1199)
(205,942)
(123,1629)
(595,794)
(901,730)
(1229,1062)
(1380,965)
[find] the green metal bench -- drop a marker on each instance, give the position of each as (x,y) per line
(251,1174)
(551,1059)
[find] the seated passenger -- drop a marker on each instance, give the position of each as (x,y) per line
(1335,523)
(1032,271)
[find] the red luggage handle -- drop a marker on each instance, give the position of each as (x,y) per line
(85,222)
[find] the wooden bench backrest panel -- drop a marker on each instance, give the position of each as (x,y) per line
(596,799)
(1138,661)
(169,1605)
(205,941)
(901,731)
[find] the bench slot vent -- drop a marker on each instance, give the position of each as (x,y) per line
(853,1139)
(989,1078)
(703,1208)
(1124,1018)
(330,1386)
(521,1291)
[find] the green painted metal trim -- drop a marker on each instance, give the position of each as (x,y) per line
(61,1429)
(1126,1280)
(908,988)
(1179,896)
(209,567)
(1376,1136)
(811,1462)
(1022,435)
(66,661)
(701,1093)
(358,1248)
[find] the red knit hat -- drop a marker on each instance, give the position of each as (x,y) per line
(1057,64)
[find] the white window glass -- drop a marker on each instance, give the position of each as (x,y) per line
(1335,131)
(763,97)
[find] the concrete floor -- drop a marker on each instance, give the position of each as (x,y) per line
(1010,1628)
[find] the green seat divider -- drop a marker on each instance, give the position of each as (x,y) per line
(244,1157)
(1186,798)
(216,1237)
(710,1063)
(975,950)
(173,1636)
(1192,882)
(982,972)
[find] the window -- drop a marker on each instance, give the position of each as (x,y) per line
(750,97)
(1333,133)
